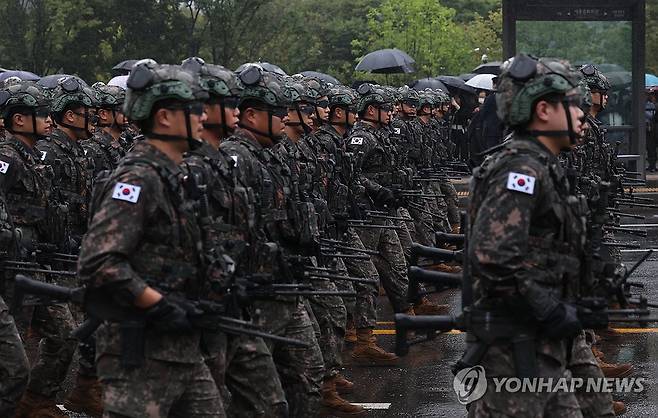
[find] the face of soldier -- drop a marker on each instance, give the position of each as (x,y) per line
(323,108)
(600,99)
(23,123)
(76,118)
(231,117)
(296,119)
(259,120)
(176,123)
(409,109)
(553,117)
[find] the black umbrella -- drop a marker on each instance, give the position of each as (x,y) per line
(492,67)
(23,75)
(50,81)
(428,83)
(124,67)
(266,66)
(456,85)
(387,61)
(322,76)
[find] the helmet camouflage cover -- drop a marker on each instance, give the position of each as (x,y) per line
(408,95)
(108,96)
(594,78)
(150,83)
(71,91)
(372,94)
(343,96)
(25,94)
(524,80)
(263,86)
(217,80)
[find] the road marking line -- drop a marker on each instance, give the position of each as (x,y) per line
(455,332)
(385,323)
(383,405)
(638,250)
(639,225)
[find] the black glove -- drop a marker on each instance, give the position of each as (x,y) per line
(168,317)
(562,322)
(387,197)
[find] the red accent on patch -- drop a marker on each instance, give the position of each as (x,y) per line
(521,182)
(126,191)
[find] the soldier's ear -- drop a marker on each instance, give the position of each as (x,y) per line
(17,120)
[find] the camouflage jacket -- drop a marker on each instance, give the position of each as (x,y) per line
(285,219)
(25,181)
(103,150)
(143,233)
(333,150)
(527,232)
(72,177)
(226,207)
(407,138)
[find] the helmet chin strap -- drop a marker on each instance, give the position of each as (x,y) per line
(34,135)
(573,137)
(192,142)
(269,134)
(345,123)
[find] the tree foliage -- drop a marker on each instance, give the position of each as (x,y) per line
(88,37)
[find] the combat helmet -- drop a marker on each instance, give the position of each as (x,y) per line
(426,97)
(596,81)
(408,95)
(223,86)
(23,97)
(266,89)
(108,97)
(150,83)
(343,97)
(524,80)
(303,100)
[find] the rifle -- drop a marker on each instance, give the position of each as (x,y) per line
(443,238)
(203,314)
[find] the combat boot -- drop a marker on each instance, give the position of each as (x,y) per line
(614,370)
(368,353)
(34,405)
(426,307)
(86,397)
(350,333)
(333,405)
(618,407)
(445,268)
(343,385)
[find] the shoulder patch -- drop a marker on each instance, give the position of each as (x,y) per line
(357,140)
(43,155)
(397,131)
(521,183)
(235,160)
(4,166)
(126,192)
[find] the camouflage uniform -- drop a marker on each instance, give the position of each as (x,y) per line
(374,171)
(103,150)
(245,365)
(14,367)
(72,170)
(27,186)
(518,235)
(364,312)
(300,369)
(150,240)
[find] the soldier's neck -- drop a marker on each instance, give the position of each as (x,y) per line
(69,133)
(113,132)
(211,138)
(172,149)
(29,141)
(424,118)
(292,134)
(340,129)
(593,112)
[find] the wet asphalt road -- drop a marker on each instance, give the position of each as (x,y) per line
(422,385)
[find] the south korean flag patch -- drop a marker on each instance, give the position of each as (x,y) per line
(521,183)
(127,192)
(357,140)
(4,166)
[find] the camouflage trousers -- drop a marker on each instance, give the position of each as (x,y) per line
(300,369)
(583,364)
(331,317)
(158,389)
(54,324)
(246,376)
(439,206)
(551,363)
(14,367)
(452,201)
(364,314)
(390,263)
